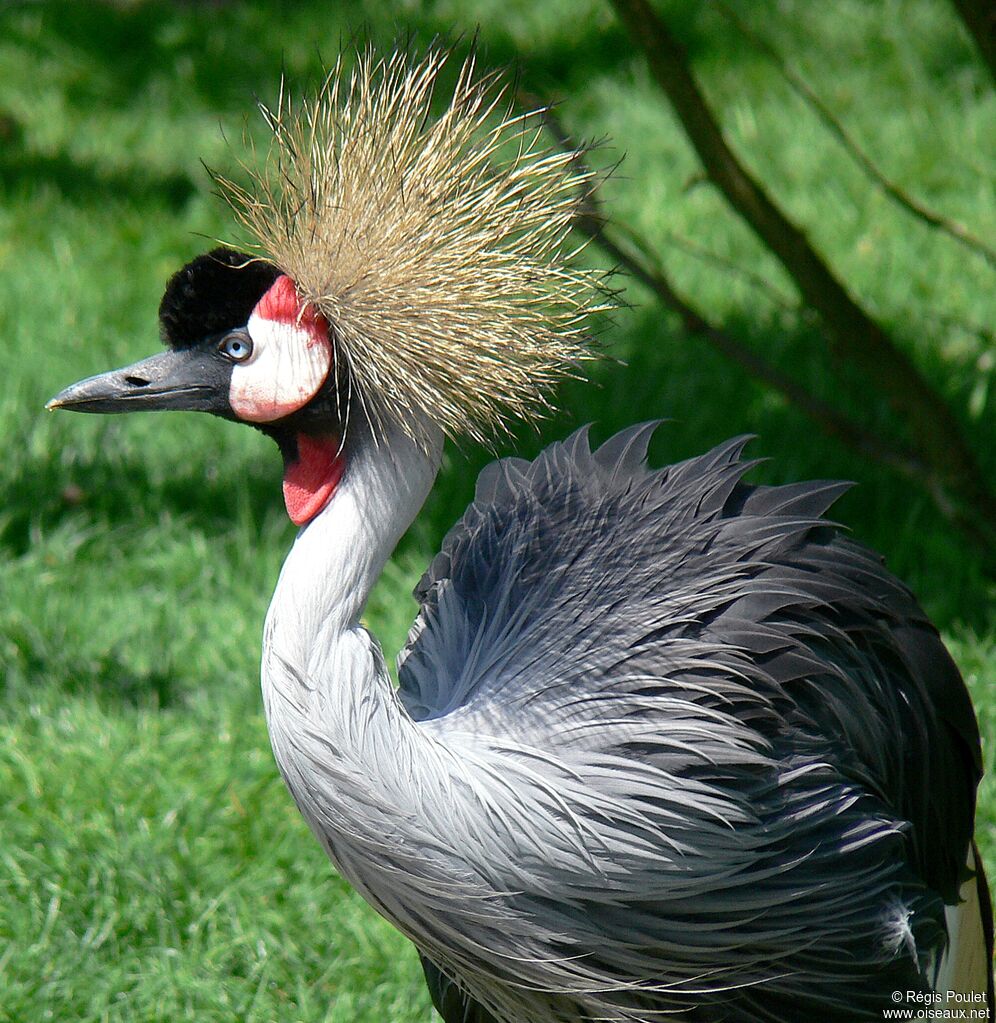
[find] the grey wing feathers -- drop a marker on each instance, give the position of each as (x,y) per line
(681,621)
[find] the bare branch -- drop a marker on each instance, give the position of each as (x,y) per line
(755,280)
(802,89)
(631,255)
(626,248)
(530,101)
(935,434)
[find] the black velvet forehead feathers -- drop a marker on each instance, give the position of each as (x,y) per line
(213,293)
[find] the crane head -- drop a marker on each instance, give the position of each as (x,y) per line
(241,344)
(411,269)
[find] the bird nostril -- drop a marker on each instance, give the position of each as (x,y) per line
(137,381)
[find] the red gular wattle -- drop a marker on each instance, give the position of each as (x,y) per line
(311,480)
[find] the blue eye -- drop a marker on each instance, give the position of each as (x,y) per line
(236,346)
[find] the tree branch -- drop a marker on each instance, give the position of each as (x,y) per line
(802,89)
(734,269)
(952,473)
(630,253)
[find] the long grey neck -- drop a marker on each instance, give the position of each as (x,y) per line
(336,559)
(341,739)
(372,784)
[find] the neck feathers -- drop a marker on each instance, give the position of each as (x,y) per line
(338,556)
(329,701)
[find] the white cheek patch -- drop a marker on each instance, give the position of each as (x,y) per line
(289,363)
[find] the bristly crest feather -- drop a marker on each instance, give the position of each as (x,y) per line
(437,248)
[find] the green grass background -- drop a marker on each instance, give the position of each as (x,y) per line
(152,868)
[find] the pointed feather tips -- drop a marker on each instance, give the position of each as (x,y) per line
(437,246)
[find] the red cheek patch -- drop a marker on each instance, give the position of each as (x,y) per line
(310,482)
(282,304)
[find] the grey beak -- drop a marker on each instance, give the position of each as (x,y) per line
(192,379)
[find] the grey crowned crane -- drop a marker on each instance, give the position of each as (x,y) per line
(666,744)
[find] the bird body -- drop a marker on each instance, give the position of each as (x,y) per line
(664,743)
(643,718)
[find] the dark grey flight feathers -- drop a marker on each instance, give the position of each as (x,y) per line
(716,702)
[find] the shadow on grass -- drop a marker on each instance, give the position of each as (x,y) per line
(121,50)
(119,490)
(31,653)
(90,184)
